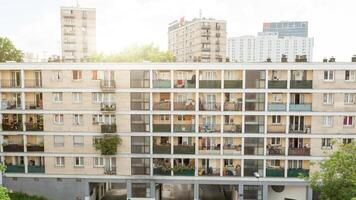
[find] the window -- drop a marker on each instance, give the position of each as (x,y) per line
(77,119)
(349,75)
(275,141)
(77,75)
(348,121)
(79,162)
(295,164)
(327,121)
(57,75)
(98,162)
(94,75)
(140,166)
(58,140)
(328,98)
(347,140)
(57,97)
(277,98)
(59,162)
(326,143)
(78,140)
(96,140)
(328,75)
(349,98)
(276,119)
(77,97)
(97,97)
(58,119)
(140,144)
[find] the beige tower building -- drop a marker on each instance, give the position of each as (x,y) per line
(198,40)
(78,33)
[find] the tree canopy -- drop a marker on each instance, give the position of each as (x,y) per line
(336,179)
(8,51)
(136,53)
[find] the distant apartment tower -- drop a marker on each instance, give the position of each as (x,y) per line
(78,33)
(286,28)
(268,45)
(198,40)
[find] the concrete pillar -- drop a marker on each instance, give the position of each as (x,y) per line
(153,190)
(129,189)
(241,192)
(265,192)
(196,191)
(309,193)
(86,191)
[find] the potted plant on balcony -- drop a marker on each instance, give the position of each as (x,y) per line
(108,144)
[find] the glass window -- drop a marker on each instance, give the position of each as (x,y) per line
(78,140)
(98,162)
(328,75)
(97,97)
(79,162)
(94,75)
(77,97)
(254,146)
(58,119)
(327,121)
(57,75)
(140,144)
(328,98)
(349,98)
(326,143)
(59,161)
(58,140)
(276,119)
(295,164)
(141,190)
(77,119)
(347,140)
(140,166)
(252,166)
(57,97)
(348,121)
(349,75)
(255,78)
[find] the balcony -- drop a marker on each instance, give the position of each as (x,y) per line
(300,107)
(184,83)
(210,106)
(10,105)
(161,171)
(276,84)
(108,107)
(232,149)
(108,128)
(33,83)
(36,169)
(210,84)
(275,150)
(297,172)
(15,126)
(188,105)
(254,128)
(233,106)
(35,148)
(276,107)
(274,172)
(13,147)
(184,149)
(184,128)
(232,128)
(161,127)
(183,171)
(161,83)
(162,105)
(30,126)
(162,148)
(295,128)
(10,83)
(15,169)
(32,105)
(107,84)
(209,128)
(232,84)
(299,151)
(301,84)
(140,127)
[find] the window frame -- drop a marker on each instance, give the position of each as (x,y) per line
(61,163)
(80,162)
(329,75)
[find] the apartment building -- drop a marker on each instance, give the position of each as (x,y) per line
(198,40)
(287,28)
(188,130)
(78,33)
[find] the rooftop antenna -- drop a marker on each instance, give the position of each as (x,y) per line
(200,13)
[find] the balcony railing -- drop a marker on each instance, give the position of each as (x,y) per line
(140,127)
(274,172)
(107,84)
(233,106)
(232,149)
(299,151)
(209,128)
(276,128)
(17,126)
(231,170)
(275,84)
(300,107)
(184,83)
(276,107)
(161,171)
(210,84)
(9,83)
(162,149)
(33,83)
(296,172)
(210,106)
(275,150)
(184,149)
(183,128)
(10,105)
(161,127)
(32,105)
(13,147)
(188,105)
(232,83)
(232,128)
(36,169)
(35,148)
(294,128)
(161,83)
(108,107)
(211,171)
(108,128)
(301,84)
(34,126)
(183,171)
(164,105)
(254,128)
(15,169)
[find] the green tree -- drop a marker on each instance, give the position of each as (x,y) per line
(136,53)
(8,51)
(4,193)
(108,144)
(336,179)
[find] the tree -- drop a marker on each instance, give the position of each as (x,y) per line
(108,144)
(336,179)
(4,193)
(136,53)
(8,51)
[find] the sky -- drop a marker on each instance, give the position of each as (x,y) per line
(34,25)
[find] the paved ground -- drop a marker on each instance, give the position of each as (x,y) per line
(115,195)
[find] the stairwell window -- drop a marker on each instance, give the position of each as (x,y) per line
(349,98)
(348,121)
(328,75)
(79,162)
(328,98)
(326,143)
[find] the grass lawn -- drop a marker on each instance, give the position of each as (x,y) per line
(24,196)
